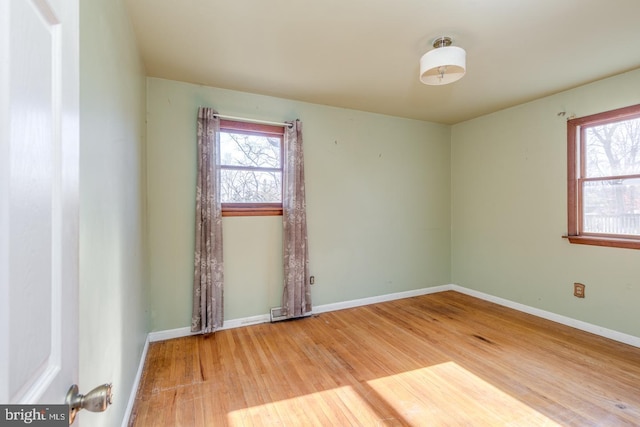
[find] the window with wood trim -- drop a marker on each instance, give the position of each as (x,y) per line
(250,168)
(604,178)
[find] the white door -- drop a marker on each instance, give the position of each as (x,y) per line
(39,134)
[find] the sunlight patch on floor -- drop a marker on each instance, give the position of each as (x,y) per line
(444,394)
(334,407)
(447,394)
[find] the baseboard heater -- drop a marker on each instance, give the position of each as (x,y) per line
(276,315)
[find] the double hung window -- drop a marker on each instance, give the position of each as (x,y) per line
(250,168)
(604,178)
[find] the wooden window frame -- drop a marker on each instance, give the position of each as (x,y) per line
(576,176)
(254,209)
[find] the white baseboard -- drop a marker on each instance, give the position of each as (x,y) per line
(136,383)
(170,334)
(265,318)
(380,298)
(228,324)
(246,321)
(564,320)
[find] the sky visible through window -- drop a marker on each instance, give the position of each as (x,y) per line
(611,190)
(251,170)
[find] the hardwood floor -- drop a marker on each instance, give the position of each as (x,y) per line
(441,359)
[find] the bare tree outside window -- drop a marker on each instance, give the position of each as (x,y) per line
(611,181)
(251,168)
(603,178)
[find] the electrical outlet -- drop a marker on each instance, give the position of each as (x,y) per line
(312,280)
(578,290)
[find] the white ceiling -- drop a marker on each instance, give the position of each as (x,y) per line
(364,54)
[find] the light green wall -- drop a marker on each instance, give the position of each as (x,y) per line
(378,205)
(509,211)
(113,318)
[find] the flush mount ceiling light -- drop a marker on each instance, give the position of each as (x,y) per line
(443,65)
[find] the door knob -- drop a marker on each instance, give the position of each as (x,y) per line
(97,400)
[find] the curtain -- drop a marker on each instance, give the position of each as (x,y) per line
(208,272)
(296,298)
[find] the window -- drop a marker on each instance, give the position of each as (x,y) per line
(604,178)
(250,168)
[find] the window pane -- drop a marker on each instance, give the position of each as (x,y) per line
(249,150)
(241,186)
(613,149)
(612,206)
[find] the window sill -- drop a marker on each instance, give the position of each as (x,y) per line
(247,209)
(613,242)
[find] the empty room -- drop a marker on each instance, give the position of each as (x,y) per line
(338,213)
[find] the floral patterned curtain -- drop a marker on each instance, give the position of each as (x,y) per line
(209,274)
(296,298)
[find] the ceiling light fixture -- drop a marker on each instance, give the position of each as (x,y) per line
(443,65)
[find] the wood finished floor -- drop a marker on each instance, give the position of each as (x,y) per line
(445,359)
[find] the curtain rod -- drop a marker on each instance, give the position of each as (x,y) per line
(248,120)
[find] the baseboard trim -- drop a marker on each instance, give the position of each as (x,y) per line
(377,299)
(266,318)
(246,321)
(170,334)
(228,324)
(568,321)
(564,320)
(136,384)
